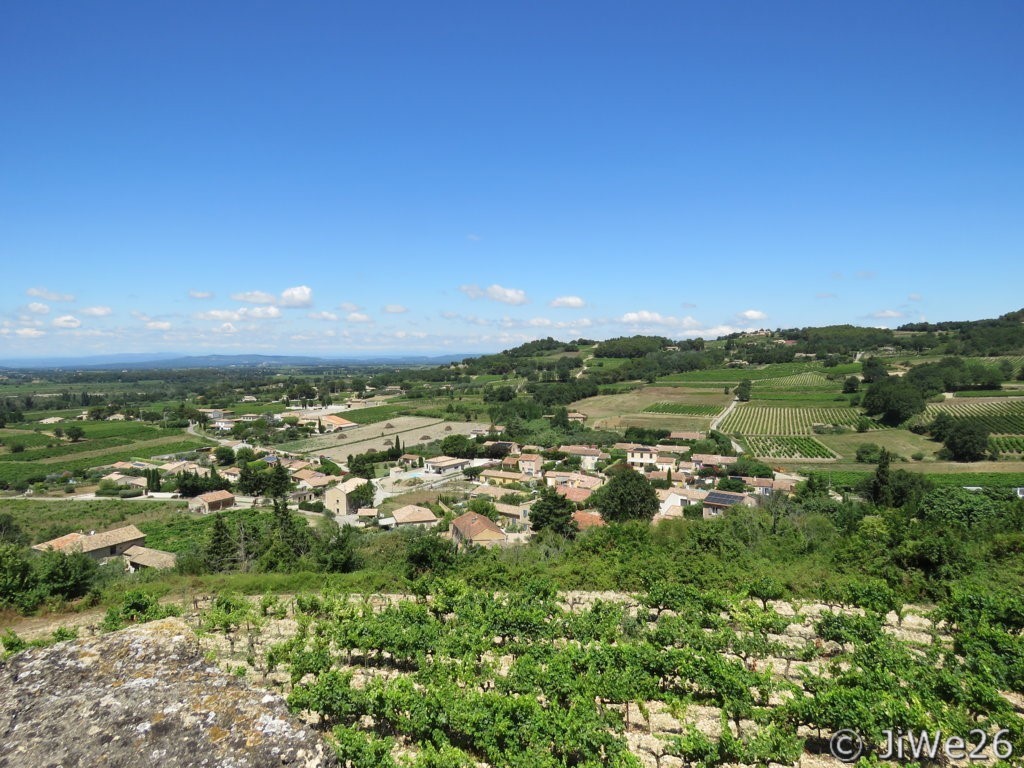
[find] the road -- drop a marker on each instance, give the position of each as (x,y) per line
(720,418)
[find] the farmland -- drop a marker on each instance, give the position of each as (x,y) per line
(1000,417)
(1008,443)
(776,447)
(749,419)
(683,409)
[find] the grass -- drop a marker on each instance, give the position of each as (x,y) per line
(683,409)
(44,520)
(607,363)
(898,441)
(374,414)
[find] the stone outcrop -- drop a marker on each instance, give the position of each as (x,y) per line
(143,696)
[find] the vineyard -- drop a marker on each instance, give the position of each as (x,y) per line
(760,420)
(1008,443)
(775,447)
(675,676)
(808,380)
(683,409)
(1000,418)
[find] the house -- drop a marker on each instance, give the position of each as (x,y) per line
(530,464)
(139,558)
(249,399)
(572,480)
(442,464)
(231,474)
(576,417)
(665,463)
(311,480)
(490,491)
(575,495)
(214,413)
(336,498)
(640,456)
(586,519)
(502,446)
(588,455)
(223,424)
(211,502)
(475,529)
(126,481)
(52,420)
(413,516)
(716,502)
(788,485)
(409,460)
(248,418)
(334,423)
(679,497)
(516,513)
(763,486)
(98,546)
(301,496)
(711,460)
(367,514)
(500,477)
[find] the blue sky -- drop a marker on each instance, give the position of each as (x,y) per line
(337,178)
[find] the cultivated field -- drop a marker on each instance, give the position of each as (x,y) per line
(412,430)
(775,447)
(900,442)
(692,409)
(747,419)
(1001,416)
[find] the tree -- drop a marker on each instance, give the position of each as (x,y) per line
(894,399)
(766,588)
(851,385)
(873,370)
(224,455)
(734,484)
(74,433)
(967,440)
(742,390)
(627,496)
(553,512)
(221,553)
(361,496)
(279,482)
(250,482)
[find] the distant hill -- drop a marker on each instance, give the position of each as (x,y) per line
(173,361)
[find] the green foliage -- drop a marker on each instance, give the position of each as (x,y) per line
(893,400)
(553,512)
(967,440)
(137,607)
(627,496)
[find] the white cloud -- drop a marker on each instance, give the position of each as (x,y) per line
(825,295)
(299,296)
(260,313)
(646,317)
(322,316)
(227,328)
(67,321)
(38,308)
(158,325)
(254,297)
(357,317)
(571,302)
(394,309)
(348,306)
(538,322)
(219,314)
(914,297)
(753,314)
(29,333)
(449,315)
(200,295)
(43,293)
(496,293)
(884,314)
(688,305)
(506,295)
(97,311)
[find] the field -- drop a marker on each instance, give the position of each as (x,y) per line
(683,409)
(45,520)
(373,414)
(634,408)
(1008,443)
(1000,417)
(900,442)
(749,419)
(412,430)
(774,447)
(807,380)
(17,471)
(815,373)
